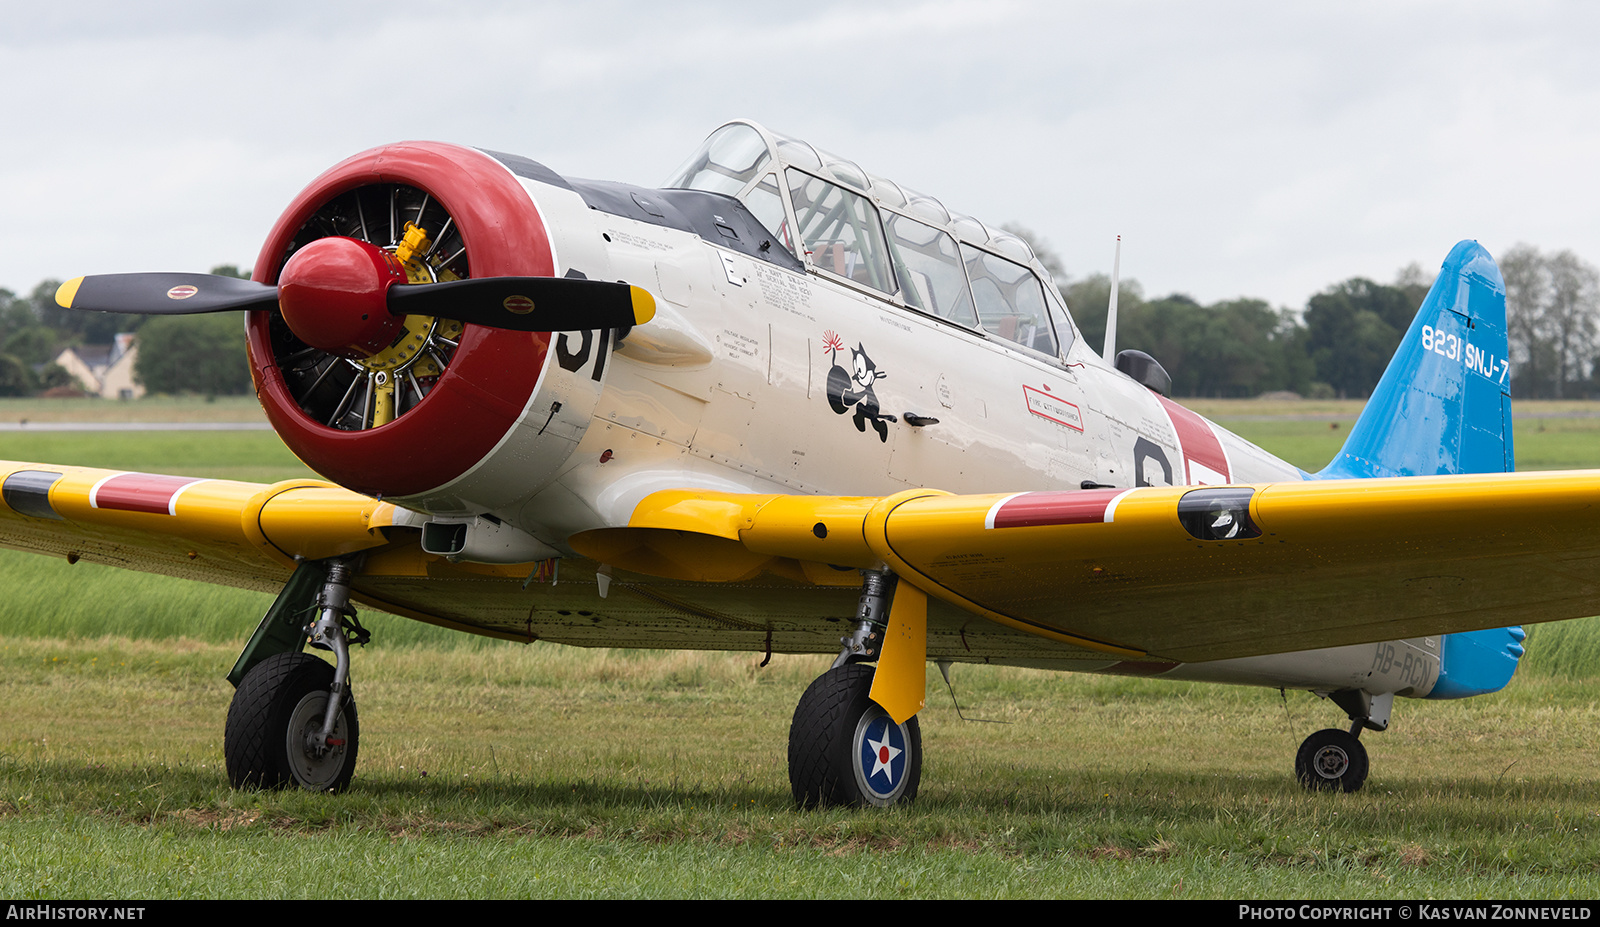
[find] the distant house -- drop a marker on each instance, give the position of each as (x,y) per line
(105,369)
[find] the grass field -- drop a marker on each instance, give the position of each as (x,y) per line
(497,770)
(149,409)
(1549,435)
(544,771)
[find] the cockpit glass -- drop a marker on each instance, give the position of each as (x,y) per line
(969,229)
(929,268)
(887,191)
(940,263)
(1011,246)
(794,151)
(1066,333)
(843,171)
(926,207)
(766,204)
(726,163)
(840,230)
(1010,300)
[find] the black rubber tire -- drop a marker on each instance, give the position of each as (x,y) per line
(1331,760)
(827,745)
(283,690)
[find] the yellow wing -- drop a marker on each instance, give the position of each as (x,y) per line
(249,535)
(1183,574)
(1075,580)
(242,534)
(219,531)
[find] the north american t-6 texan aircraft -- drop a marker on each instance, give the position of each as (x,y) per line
(786,405)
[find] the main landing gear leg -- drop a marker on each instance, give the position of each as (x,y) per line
(293,720)
(846,745)
(1334,760)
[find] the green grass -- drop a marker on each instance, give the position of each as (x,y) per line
(498,770)
(148,409)
(255,456)
(1308,445)
(1558,443)
(1541,444)
(543,771)
(1552,437)
(1564,649)
(48,597)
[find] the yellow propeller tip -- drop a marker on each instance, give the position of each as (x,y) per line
(66,291)
(644,306)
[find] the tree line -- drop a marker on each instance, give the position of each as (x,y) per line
(1337,345)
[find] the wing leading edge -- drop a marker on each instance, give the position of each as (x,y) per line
(1186,574)
(245,534)
(1173,574)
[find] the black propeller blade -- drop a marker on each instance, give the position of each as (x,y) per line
(165,294)
(529,304)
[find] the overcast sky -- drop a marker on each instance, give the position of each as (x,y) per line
(1241,149)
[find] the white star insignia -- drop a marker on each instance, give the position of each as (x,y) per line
(882,754)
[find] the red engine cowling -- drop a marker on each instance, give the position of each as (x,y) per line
(451,399)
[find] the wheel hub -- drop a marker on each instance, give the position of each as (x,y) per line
(315,764)
(882,757)
(1330,762)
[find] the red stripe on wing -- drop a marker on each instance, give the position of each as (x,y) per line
(140,492)
(1071,507)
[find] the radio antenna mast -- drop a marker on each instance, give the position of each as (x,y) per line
(1111,308)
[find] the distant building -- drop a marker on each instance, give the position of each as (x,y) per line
(105,369)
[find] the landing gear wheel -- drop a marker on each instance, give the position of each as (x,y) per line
(280,702)
(845,750)
(1331,759)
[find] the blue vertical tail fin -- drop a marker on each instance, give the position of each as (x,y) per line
(1444,403)
(1444,406)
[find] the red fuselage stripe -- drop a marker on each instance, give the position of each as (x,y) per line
(1199,442)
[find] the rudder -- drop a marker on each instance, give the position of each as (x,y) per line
(1443,404)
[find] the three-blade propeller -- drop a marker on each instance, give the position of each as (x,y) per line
(342,294)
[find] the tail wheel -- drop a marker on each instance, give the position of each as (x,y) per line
(845,750)
(279,706)
(358,394)
(1331,760)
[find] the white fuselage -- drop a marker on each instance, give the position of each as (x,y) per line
(729,389)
